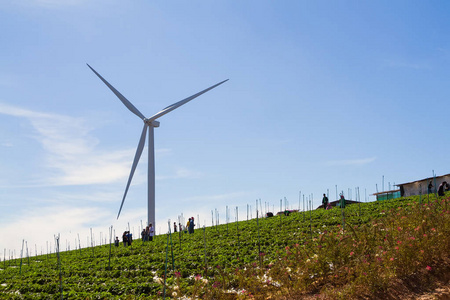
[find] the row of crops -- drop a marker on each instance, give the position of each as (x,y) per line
(212,260)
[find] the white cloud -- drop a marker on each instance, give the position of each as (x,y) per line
(351,162)
(71,150)
(39,226)
(47,222)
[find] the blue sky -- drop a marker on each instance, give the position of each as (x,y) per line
(321,93)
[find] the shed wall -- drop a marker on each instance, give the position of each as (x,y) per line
(421,186)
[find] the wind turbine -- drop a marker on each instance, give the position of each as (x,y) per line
(149,124)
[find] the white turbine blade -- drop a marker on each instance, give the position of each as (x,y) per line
(179,103)
(137,156)
(124,100)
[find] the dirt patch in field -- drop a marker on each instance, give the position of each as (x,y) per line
(426,285)
(431,284)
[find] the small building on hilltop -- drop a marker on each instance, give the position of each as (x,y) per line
(388,195)
(418,187)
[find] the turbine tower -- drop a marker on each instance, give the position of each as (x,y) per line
(149,124)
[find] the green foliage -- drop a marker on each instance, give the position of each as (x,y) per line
(301,254)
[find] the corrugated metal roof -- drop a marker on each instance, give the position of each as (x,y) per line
(386,192)
(425,179)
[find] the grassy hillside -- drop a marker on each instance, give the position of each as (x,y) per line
(289,257)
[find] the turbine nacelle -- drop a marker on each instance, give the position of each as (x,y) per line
(152,123)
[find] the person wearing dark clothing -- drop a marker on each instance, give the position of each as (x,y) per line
(143,234)
(325,201)
(147,234)
(174,226)
(191,225)
(129,238)
(116,241)
(125,238)
(442,188)
(430,187)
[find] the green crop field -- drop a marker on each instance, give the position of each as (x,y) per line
(331,254)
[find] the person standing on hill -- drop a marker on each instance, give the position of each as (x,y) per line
(151,232)
(191,225)
(325,201)
(430,188)
(174,226)
(147,234)
(129,238)
(342,201)
(442,187)
(143,235)
(187,225)
(125,238)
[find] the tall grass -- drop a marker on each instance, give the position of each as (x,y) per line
(403,242)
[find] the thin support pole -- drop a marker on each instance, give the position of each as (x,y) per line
(79,243)
(303,208)
(21,253)
(237,228)
(310,219)
(204,242)
(227,216)
(59,266)
(171,248)
(281,209)
(110,245)
(92,244)
(28,256)
(179,231)
(259,244)
(435,188)
(247,213)
(420,194)
(165,265)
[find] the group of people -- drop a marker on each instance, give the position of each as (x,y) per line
(443,187)
(148,233)
(325,202)
(189,226)
(127,239)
